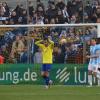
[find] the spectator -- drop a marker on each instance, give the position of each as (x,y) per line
(38,57)
(73,19)
(31,8)
(86,18)
(59,56)
(87,35)
(23,18)
(39,20)
(60,4)
(40,11)
(67,54)
(2,10)
(5,54)
(7,11)
(52,11)
(24,56)
(14,17)
(88,9)
(55,12)
(60,17)
(40,4)
(65,15)
(17,49)
(1,59)
(19,9)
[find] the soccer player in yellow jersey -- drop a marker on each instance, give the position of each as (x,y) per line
(46,46)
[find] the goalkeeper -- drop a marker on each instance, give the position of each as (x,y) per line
(46,46)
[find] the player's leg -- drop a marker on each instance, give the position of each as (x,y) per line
(90,74)
(98,75)
(46,78)
(43,69)
(48,73)
(94,77)
(45,74)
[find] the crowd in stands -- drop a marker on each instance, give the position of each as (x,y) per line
(75,11)
(16,46)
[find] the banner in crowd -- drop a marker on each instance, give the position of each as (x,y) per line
(61,74)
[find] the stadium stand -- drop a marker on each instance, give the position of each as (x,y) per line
(53,12)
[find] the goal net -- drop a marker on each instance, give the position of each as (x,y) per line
(17,42)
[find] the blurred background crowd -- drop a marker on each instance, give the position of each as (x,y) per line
(18,46)
(49,11)
(17,43)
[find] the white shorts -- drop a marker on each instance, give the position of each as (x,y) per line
(98,74)
(99,65)
(93,68)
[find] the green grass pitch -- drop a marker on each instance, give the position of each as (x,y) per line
(37,92)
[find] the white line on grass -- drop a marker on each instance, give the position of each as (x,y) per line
(47,94)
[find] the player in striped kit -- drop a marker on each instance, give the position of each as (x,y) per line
(98,69)
(94,61)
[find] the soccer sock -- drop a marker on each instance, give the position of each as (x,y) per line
(94,80)
(46,78)
(98,76)
(90,79)
(98,82)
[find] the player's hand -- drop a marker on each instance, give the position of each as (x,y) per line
(49,37)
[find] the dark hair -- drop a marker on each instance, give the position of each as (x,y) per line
(98,40)
(94,39)
(45,38)
(38,0)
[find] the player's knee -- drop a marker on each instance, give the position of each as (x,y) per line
(45,74)
(94,74)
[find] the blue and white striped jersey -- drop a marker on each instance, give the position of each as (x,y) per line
(98,53)
(94,50)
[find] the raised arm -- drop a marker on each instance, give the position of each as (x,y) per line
(51,42)
(38,43)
